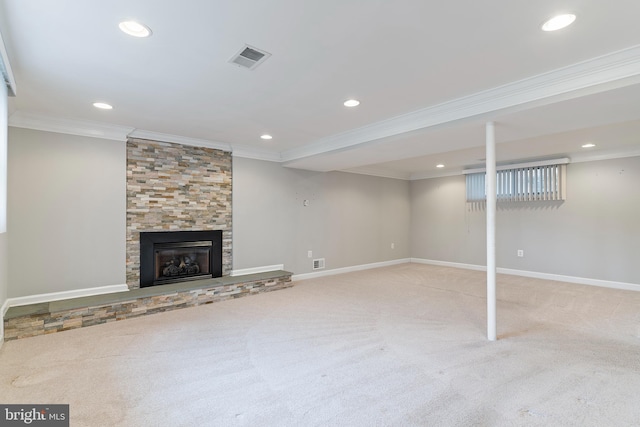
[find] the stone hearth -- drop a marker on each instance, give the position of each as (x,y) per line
(170,187)
(57,316)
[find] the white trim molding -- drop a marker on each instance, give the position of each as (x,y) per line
(343,270)
(379,172)
(21,119)
(254,270)
(572,279)
(4,308)
(615,69)
(255,153)
(434,174)
(3,311)
(602,155)
(57,296)
(448,264)
(48,123)
(535,275)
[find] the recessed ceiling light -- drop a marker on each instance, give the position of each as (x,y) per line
(102,106)
(589,145)
(558,22)
(135,29)
(266,136)
(351,103)
(440,165)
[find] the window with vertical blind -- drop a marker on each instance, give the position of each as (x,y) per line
(536,182)
(476,187)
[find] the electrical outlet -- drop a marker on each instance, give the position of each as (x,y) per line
(393,246)
(309,254)
(520,253)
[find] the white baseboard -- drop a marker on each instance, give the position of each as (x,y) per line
(448,264)
(3,311)
(56,296)
(255,270)
(572,279)
(4,308)
(536,275)
(361,267)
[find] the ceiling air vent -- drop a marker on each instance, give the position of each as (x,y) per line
(249,57)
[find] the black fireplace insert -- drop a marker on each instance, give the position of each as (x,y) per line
(176,256)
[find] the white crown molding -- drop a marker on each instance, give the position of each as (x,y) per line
(617,69)
(21,119)
(594,156)
(255,153)
(379,172)
(621,67)
(48,123)
(605,155)
(428,175)
(185,140)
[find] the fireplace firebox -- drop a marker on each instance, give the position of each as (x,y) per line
(176,256)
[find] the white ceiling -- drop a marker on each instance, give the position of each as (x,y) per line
(428,73)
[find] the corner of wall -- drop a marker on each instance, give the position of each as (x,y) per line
(3,311)
(4,283)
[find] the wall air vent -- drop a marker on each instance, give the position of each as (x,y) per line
(249,57)
(318,264)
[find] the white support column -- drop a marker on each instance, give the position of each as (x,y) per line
(491,231)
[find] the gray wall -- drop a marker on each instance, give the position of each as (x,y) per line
(3,188)
(351,219)
(593,234)
(67,219)
(66,212)
(443,227)
(4,267)
(66,216)
(4,277)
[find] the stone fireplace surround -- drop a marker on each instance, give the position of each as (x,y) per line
(170,187)
(173,187)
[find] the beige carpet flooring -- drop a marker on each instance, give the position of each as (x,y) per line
(397,346)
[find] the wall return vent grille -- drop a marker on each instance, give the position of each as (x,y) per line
(318,264)
(249,57)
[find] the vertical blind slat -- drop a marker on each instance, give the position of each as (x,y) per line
(522,184)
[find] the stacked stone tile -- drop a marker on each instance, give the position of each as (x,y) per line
(46,320)
(174,187)
(170,187)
